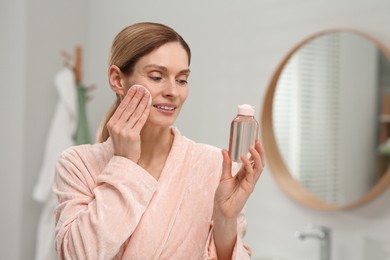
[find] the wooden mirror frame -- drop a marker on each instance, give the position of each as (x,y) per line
(278,168)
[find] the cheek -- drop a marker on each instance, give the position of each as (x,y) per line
(140,81)
(184,95)
(126,85)
(152,91)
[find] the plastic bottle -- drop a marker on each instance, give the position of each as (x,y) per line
(243,132)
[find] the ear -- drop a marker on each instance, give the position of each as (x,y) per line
(116,80)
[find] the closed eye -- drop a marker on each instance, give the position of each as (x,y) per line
(155,78)
(182,81)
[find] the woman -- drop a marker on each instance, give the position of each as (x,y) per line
(144,191)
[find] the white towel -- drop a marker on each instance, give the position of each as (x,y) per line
(59,138)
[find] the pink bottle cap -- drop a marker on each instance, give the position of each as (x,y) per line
(245,110)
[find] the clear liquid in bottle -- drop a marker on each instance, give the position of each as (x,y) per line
(243,132)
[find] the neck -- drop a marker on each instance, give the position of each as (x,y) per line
(156,143)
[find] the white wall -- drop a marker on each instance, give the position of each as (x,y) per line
(32,34)
(12,66)
(236,47)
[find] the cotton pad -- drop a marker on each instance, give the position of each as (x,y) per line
(146,90)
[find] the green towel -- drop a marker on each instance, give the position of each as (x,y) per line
(82,134)
(385,148)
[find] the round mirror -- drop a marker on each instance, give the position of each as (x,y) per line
(321,120)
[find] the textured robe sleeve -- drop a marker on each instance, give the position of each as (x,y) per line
(240,251)
(98,211)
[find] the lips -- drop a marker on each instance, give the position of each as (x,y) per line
(165,107)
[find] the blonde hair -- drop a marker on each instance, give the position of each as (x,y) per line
(131,44)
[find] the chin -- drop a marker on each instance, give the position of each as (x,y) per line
(159,123)
(162,120)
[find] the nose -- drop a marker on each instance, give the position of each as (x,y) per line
(170,89)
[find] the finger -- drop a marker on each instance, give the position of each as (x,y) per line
(140,112)
(252,159)
(255,159)
(226,166)
(246,164)
(124,103)
(142,120)
(132,106)
(259,162)
(256,164)
(260,149)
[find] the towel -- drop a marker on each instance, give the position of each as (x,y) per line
(60,137)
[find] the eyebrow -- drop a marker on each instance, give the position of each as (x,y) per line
(164,69)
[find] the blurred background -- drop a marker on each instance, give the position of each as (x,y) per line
(236,48)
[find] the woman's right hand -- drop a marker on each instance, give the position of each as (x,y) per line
(127,121)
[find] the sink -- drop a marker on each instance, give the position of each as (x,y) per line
(320,233)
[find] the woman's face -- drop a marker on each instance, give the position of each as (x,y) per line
(164,72)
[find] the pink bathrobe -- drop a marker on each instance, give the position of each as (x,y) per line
(111,208)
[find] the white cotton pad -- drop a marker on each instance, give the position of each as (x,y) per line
(146,90)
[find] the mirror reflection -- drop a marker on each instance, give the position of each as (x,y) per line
(326,112)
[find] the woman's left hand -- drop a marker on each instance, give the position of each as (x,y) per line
(233,191)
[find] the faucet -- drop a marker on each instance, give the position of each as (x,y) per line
(322,234)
